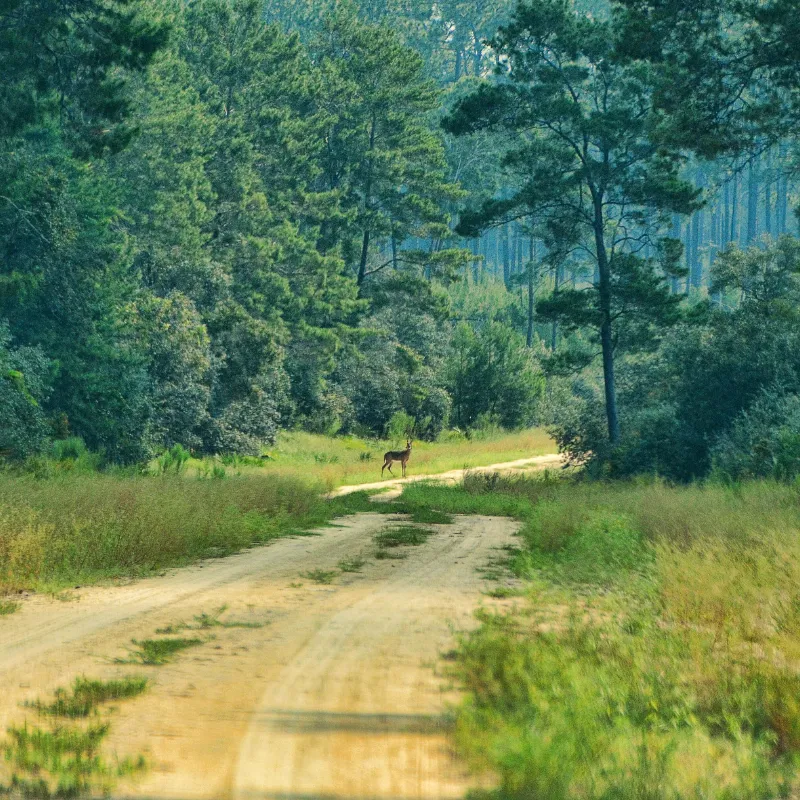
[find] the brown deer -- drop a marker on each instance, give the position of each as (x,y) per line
(397,455)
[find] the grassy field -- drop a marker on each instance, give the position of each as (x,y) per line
(81,528)
(656,656)
(335,461)
(70,525)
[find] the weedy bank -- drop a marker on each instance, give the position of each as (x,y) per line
(657,654)
(81,528)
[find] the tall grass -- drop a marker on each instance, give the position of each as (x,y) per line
(334,461)
(658,655)
(84,527)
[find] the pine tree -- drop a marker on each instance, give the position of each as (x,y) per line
(585,165)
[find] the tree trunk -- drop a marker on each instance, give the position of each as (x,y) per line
(752,202)
(531,294)
(362,264)
(506,258)
(556,286)
(606,337)
(768,225)
(735,209)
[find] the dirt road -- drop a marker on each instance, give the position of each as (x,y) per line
(394,486)
(339,693)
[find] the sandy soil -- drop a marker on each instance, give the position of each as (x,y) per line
(340,693)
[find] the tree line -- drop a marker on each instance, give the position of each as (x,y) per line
(223,218)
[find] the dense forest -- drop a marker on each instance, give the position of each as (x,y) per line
(224,218)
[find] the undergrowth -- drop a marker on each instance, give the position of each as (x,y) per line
(656,659)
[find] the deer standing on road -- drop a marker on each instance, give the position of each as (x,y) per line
(397,455)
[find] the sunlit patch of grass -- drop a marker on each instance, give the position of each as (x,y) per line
(351,564)
(156,652)
(402,536)
(334,461)
(8,607)
(321,576)
(61,762)
(86,695)
(83,528)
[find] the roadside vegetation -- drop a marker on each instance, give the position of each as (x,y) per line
(83,528)
(61,757)
(67,524)
(656,656)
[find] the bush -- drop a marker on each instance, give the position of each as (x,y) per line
(492,372)
(23,390)
(764,441)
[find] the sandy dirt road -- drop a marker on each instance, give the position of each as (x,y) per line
(393,486)
(339,693)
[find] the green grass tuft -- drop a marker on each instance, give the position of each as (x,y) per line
(351,564)
(8,607)
(402,536)
(86,695)
(155,652)
(322,576)
(389,555)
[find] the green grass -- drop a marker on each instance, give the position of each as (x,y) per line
(205,621)
(502,592)
(64,760)
(402,536)
(351,564)
(390,555)
(657,656)
(157,652)
(322,576)
(334,461)
(84,528)
(86,695)
(8,607)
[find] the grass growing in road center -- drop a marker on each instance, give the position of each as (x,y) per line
(87,694)
(156,652)
(64,759)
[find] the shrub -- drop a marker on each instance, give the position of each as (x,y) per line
(764,441)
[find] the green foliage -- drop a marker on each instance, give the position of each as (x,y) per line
(492,373)
(172,461)
(654,657)
(157,652)
(763,442)
(706,384)
(86,694)
(24,387)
